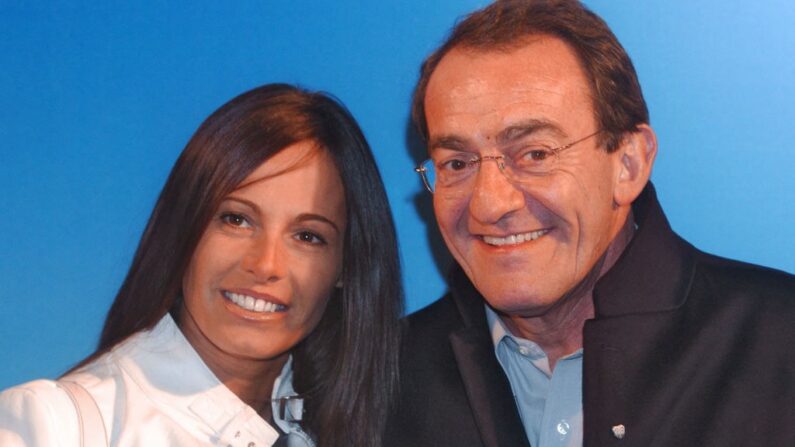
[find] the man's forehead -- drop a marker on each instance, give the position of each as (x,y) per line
(538,54)
(540,81)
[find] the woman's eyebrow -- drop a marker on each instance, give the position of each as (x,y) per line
(242,201)
(317,217)
(303,217)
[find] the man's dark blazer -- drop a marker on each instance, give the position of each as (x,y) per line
(686,349)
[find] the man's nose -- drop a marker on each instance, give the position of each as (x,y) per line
(493,194)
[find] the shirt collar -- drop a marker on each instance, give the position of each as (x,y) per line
(501,335)
(496,326)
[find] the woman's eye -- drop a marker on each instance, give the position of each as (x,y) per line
(309,237)
(235,220)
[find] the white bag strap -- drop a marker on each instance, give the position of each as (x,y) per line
(90,424)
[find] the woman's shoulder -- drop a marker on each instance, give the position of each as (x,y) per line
(39,397)
(37,413)
(42,413)
(41,390)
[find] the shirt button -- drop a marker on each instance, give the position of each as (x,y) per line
(524,350)
(563,428)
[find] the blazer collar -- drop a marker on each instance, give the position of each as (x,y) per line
(654,272)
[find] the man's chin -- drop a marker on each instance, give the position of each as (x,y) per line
(519,303)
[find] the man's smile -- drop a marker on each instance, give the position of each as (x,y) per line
(515,239)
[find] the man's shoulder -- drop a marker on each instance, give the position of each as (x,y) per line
(441,316)
(743,295)
(426,334)
(732,278)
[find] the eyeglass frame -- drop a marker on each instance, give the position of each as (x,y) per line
(421,169)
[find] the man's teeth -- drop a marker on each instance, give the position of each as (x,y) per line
(253,304)
(514,238)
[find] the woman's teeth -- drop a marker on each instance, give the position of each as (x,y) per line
(253,304)
(514,238)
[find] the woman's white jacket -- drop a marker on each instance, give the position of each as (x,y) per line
(152,390)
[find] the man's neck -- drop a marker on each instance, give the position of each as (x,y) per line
(559,332)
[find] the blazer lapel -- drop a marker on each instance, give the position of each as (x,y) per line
(488,390)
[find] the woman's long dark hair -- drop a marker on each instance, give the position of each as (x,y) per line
(347,367)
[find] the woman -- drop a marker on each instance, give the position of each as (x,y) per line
(266,281)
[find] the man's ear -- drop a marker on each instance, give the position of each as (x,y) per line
(636,155)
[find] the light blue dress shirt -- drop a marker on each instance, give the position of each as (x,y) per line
(549,402)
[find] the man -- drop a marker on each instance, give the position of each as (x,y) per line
(575,315)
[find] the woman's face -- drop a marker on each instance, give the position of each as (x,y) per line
(263,271)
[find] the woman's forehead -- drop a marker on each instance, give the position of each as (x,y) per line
(288,159)
(301,178)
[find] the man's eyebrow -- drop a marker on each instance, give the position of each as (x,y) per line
(446,142)
(511,133)
(524,128)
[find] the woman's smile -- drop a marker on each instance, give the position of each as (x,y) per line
(250,303)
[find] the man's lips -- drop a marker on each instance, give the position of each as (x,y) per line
(255,302)
(514,239)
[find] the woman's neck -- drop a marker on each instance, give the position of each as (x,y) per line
(249,379)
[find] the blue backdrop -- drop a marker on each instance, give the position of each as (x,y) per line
(98,100)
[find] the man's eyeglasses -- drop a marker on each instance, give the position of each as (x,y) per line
(520,165)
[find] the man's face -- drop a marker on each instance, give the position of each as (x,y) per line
(523,245)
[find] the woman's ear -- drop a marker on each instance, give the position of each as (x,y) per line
(636,157)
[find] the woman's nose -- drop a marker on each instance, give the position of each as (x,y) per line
(266,259)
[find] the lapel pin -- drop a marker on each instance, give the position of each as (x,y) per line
(619,431)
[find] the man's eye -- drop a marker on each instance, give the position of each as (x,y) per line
(454,165)
(310,238)
(537,155)
(235,220)
(535,160)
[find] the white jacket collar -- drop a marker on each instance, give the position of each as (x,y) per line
(170,372)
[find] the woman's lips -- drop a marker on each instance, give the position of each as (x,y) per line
(254,303)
